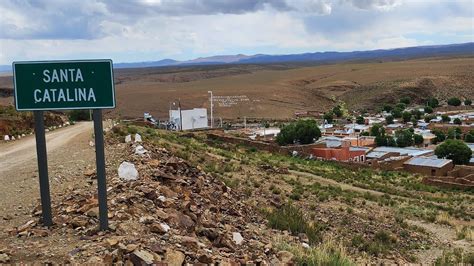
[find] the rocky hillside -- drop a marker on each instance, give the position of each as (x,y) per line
(17,123)
(194,200)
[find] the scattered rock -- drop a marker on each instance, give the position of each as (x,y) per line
(138,138)
(237,237)
(4,258)
(140,257)
(160,228)
(139,150)
(128,138)
(127,171)
(174,258)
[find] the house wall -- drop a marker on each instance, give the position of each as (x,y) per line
(429,171)
(339,154)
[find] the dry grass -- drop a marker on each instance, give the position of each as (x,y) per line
(277,91)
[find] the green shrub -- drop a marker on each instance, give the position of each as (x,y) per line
(290,218)
(455,150)
(301,131)
(454,101)
(79,115)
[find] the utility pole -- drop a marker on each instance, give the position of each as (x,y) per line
(221,121)
(212,109)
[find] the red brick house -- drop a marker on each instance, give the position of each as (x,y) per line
(344,153)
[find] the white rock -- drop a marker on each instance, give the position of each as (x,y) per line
(127,171)
(139,150)
(60,126)
(138,138)
(91,143)
(67,123)
(162,198)
(13,138)
(165,227)
(6,138)
(128,138)
(23,135)
(18,137)
(305,245)
(237,237)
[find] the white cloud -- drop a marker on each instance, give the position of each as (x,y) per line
(152,30)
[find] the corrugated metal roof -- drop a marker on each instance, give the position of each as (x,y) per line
(430,162)
(376,154)
(404,151)
(359,149)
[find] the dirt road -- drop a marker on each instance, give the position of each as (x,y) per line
(20,152)
(69,154)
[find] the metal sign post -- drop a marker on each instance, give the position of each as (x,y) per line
(100,162)
(43,168)
(63,85)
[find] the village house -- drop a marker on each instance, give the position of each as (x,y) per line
(429,166)
(332,148)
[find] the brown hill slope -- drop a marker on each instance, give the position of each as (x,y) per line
(277,91)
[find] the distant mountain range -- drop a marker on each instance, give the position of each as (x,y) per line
(323,57)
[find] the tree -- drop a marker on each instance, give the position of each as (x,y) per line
(455,150)
(405,100)
(416,113)
(329,117)
(404,138)
(467,102)
(454,101)
(414,121)
(337,111)
(401,106)
(406,117)
(440,136)
(418,139)
(301,131)
(429,117)
(432,102)
(445,118)
(387,108)
(428,109)
(377,130)
(457,121)
(454,133)
(469,137)
(389,119)
(397,112)
(391,141)
(360,120)
(381,140)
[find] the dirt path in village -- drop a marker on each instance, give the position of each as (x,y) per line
(330,182)
(69,154)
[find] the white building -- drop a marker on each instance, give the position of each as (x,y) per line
(192,119)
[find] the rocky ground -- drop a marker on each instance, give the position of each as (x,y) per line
(195,201)
(172,212)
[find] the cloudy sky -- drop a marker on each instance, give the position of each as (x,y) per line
(148,30)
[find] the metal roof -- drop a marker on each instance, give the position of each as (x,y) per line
(376,154)
(353,148)
(404,151)
(430,162)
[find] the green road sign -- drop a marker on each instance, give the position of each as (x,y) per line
(56,85)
